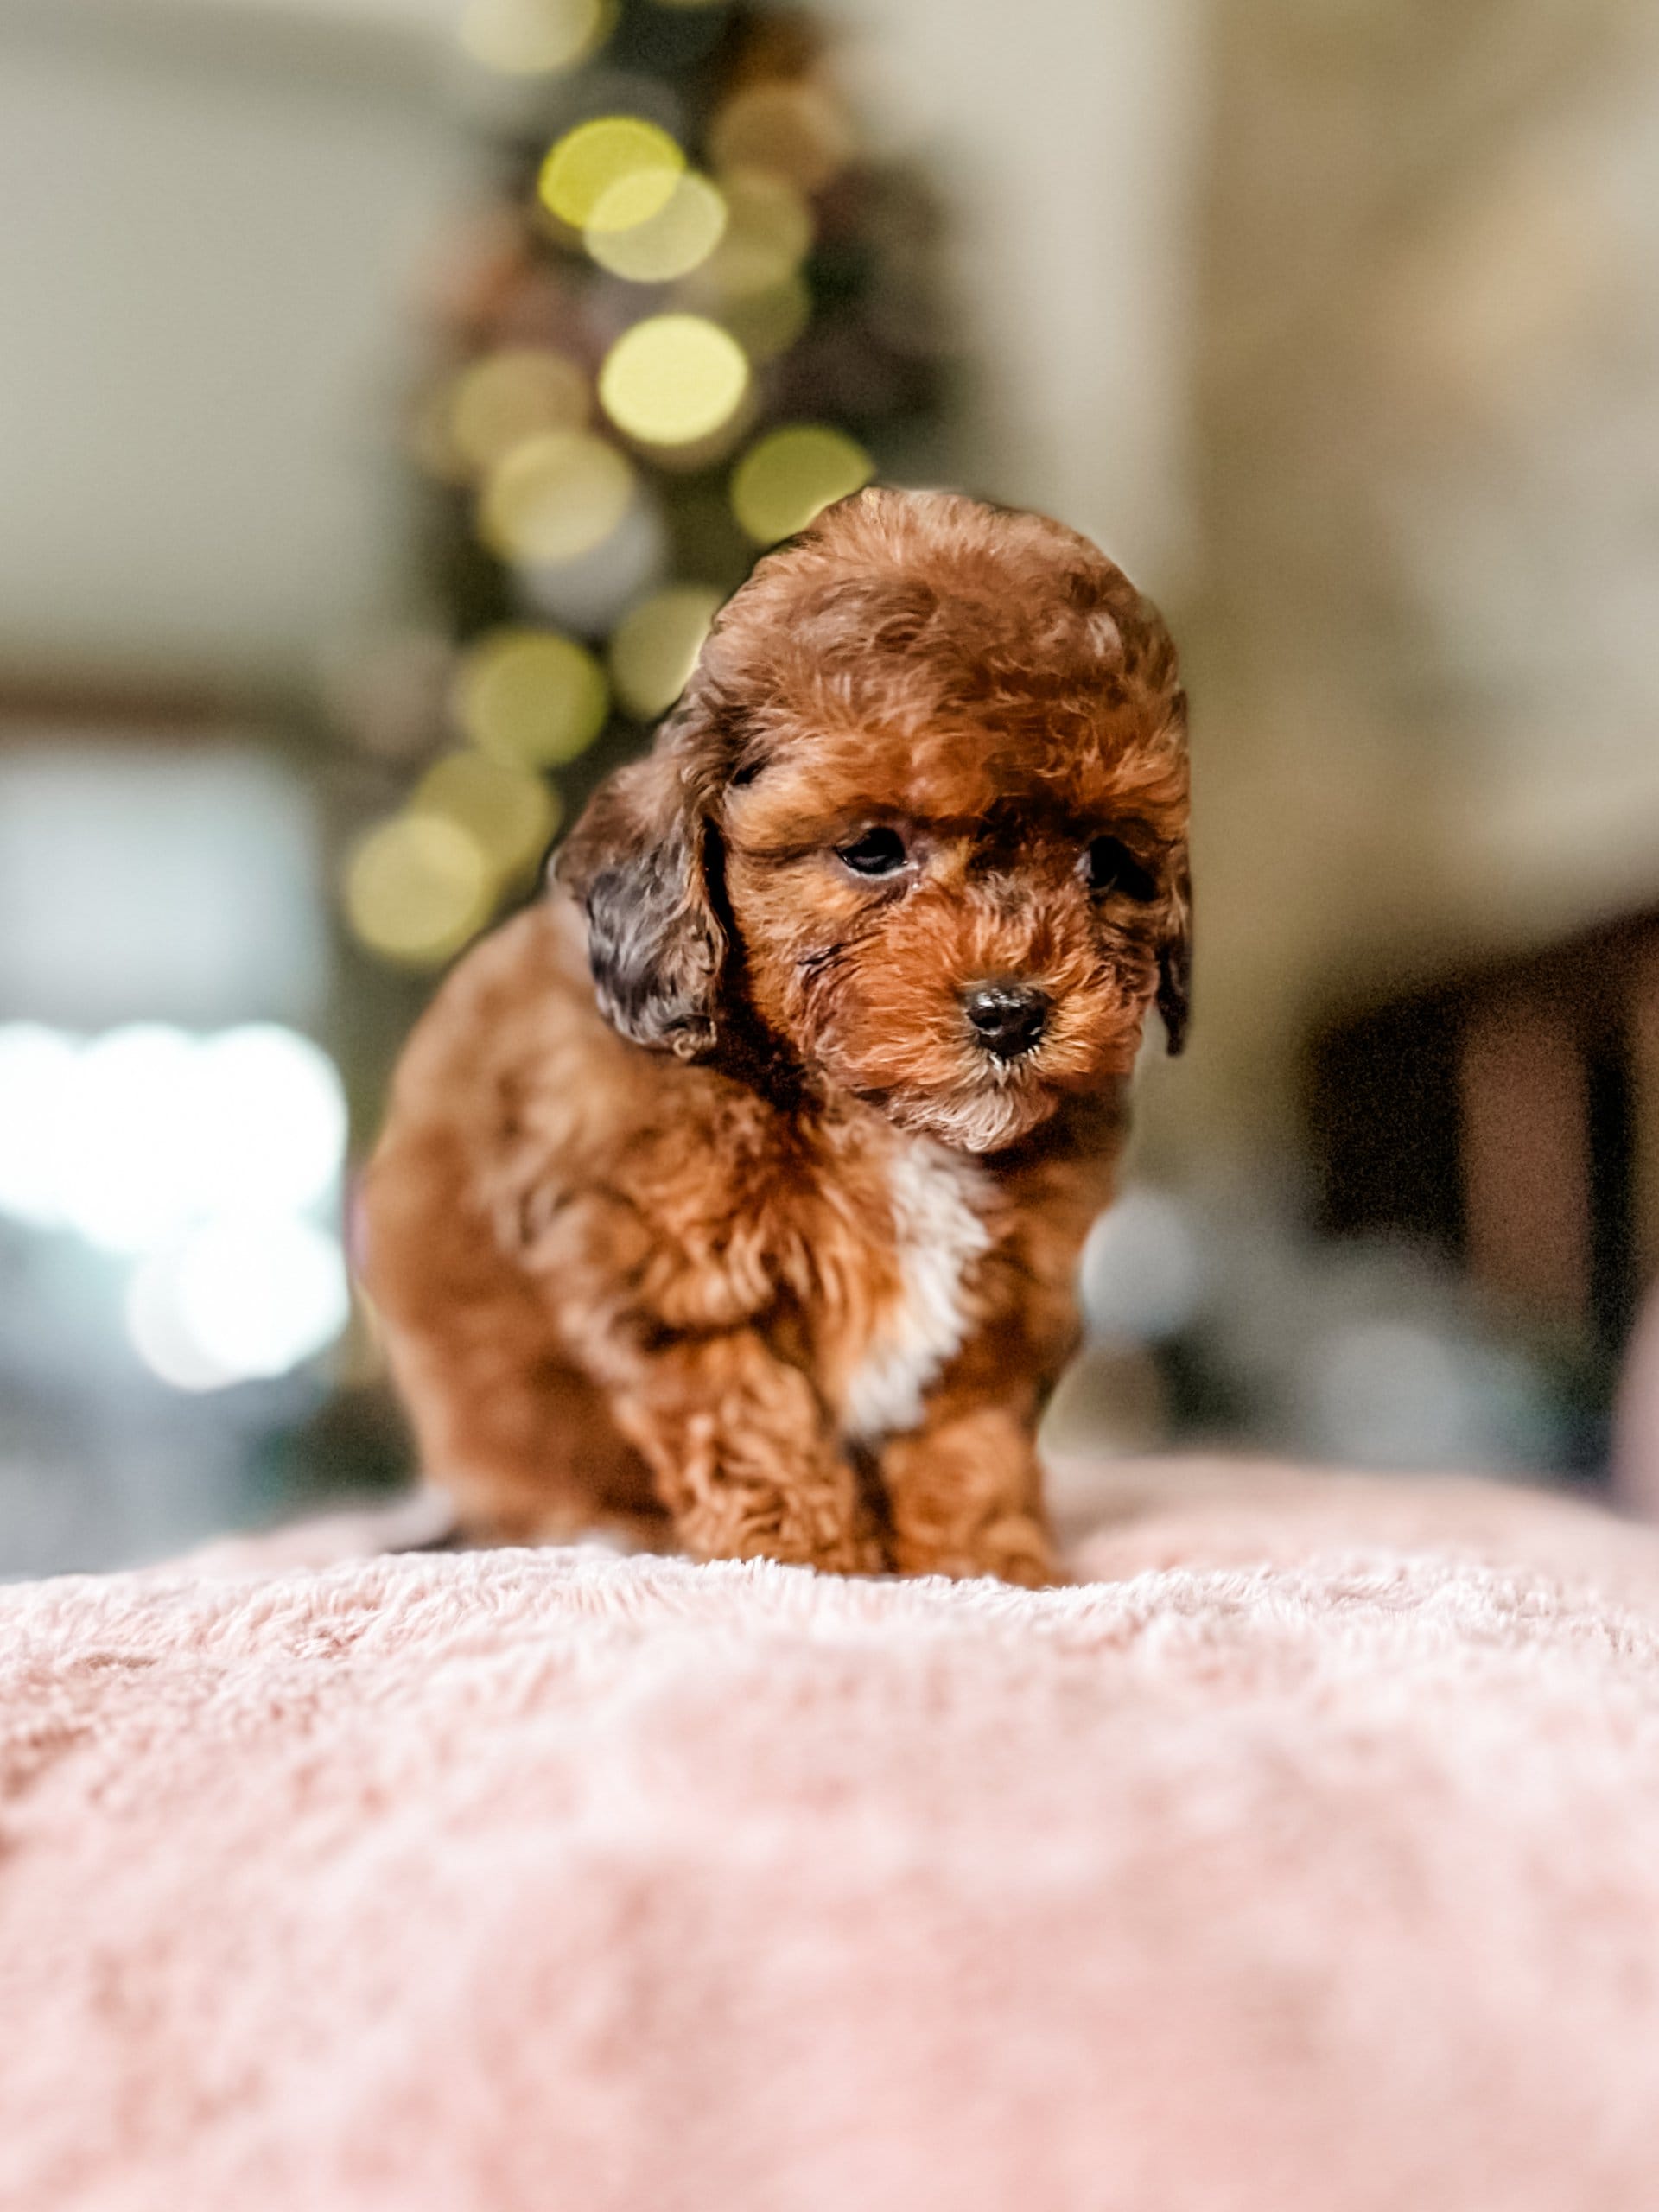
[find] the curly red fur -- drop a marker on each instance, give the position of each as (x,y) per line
(703,1210)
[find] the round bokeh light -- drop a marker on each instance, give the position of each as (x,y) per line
(417,888)
(509,813)
(555,498)
(768,234)
(533,38)
(674,236)
(790,476)
(791,128)
(508,397)
(589,165)
(656,647)
(531,698)
(766,324)
(673,379)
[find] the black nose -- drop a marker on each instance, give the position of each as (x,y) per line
(1007,1018)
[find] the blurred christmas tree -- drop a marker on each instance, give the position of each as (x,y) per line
(691,312)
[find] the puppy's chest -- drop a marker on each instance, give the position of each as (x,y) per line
(901,1325)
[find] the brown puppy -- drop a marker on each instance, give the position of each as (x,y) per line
(733,1193)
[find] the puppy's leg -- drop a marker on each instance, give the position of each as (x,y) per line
(965,1495)
(511,1427)
(744,1458)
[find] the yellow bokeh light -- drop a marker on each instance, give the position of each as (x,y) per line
(670,239)
(656,645)
(555,498)
(499,401)
(417,888)
(532,38)
(531,698)
(673,379)
(790,476)
(766,324)
(508,813)
(787,127)
(589,163)
(768,234)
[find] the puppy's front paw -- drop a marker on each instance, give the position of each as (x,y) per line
(1014,1549)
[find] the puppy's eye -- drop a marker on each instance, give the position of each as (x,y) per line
(1109,865)
(879,851)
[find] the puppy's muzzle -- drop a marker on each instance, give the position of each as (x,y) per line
(1007,1018)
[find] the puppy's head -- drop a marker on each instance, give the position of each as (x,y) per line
(922,813)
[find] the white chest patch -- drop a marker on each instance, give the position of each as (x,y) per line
(940,1233)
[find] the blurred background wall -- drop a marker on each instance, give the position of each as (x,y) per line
(1336,323)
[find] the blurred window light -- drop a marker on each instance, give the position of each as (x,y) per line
(241,1297)
(129,1154)
(37,1072)
(1142,1271)
(506,398)
(511,813)
(587,164)
(531,698)
(533,38)
(656,645)
(271,1122)
(673,239)
(417,888)
(792,129)
(792,474)
(673,379)
(555,499)
(127,1137)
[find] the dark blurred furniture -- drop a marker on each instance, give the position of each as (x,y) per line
(1510,1116)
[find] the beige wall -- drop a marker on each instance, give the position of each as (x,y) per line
(210,236)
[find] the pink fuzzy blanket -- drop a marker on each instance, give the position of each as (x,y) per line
(1306,1860)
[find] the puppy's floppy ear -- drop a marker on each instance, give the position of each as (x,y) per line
(1175,964)
(637,863)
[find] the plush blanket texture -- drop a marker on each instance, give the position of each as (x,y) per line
(1306,1858)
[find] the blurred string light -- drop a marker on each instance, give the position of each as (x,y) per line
(555,498)
(153,1144)
(674,236)
(533,38)
(656,645)
(791,475)
(497,403)
(672,379)
(613,172)
(529,698)
(626,311)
